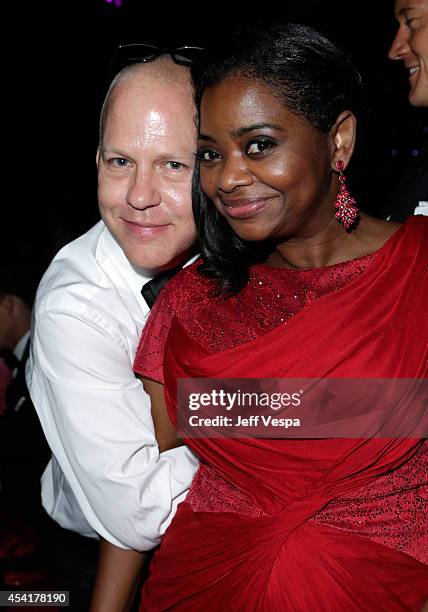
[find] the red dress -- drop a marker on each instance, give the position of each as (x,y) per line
(330,524)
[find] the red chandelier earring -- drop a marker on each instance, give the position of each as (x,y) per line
(346,211)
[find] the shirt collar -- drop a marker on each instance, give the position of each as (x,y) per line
(129,277)
(135,278)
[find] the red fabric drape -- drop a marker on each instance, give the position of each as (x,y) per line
(375,327)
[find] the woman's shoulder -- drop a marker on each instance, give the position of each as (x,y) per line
(187,284)
(186,287)
(415,232)
(401,237)
(417,223)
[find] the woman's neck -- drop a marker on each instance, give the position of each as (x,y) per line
(332,245)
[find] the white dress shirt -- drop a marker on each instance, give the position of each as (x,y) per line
(106,476)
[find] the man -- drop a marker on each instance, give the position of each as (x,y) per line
(106,476)
(410,45)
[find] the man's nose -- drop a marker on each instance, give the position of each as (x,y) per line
(143,191)
(399,45)
(234,173)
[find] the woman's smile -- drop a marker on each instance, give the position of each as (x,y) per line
(245,207)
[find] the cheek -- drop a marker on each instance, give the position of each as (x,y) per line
(420,44)
(219,207)
(178,198)
(280,174)
(208,181)
(111,192)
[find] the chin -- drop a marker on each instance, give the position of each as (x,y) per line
(158,259)
(254,237)
(419,97)
(149,261)
(253,234)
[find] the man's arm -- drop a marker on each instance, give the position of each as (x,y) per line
(119,570)
(118,575)
(96,417)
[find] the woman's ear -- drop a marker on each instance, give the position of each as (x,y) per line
(342,137)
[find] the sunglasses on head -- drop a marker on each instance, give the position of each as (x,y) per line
(126,54)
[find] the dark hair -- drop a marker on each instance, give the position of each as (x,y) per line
(312,77)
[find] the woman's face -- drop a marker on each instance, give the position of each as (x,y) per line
(267,170)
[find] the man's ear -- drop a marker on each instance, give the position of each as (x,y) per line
(342,137)
(97,157)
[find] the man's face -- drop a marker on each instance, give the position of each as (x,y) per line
(145,166)
(411,46)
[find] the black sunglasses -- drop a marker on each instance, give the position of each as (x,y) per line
(144,52)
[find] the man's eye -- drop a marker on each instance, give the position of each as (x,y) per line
(118,162)
(174,165)
(411,23)
(259,146)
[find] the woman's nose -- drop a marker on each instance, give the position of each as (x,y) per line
(234,173)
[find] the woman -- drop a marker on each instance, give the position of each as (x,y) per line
(293,283)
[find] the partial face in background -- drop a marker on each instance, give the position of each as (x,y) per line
(14,320)
(411,46)
(145,165)
(267,170)
(5,322)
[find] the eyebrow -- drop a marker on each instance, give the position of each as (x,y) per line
(405,10)
(173,155)
(244,130)
(111,150)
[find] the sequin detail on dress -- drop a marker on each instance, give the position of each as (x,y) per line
(271,297)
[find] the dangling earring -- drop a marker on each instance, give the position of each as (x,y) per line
(346,211)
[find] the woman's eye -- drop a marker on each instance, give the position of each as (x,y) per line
(208,155)
(259,146)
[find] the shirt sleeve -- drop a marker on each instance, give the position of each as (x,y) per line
(96,418)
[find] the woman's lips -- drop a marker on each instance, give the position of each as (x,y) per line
(244,208)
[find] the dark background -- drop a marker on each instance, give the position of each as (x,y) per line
(62,52)
(58,56)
